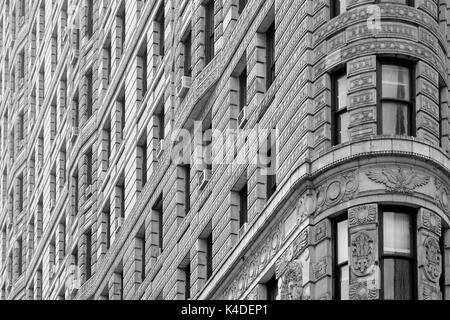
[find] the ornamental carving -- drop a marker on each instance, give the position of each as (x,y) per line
(292,282)
(363,253)
(320,269)
(360,291)
(342,188)
(441,195)
(431,293)
(431,222)
(400,180)
(433,259)
(361,215)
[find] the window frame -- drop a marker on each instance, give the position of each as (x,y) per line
(335,9)
(337,266)
(270,53)
(335,113)
(412,130)
(411,257)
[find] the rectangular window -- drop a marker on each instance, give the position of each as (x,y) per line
(142,152)
(338,7)
(90,19)
(161,21)
(209,31)
(158,210)
(397,256)
(187,44)
(88,254)
(241,6)
(341,116)
(396,115)
(272,288)
(187,187)
(243,90)
(342,266)
(89,93)
(243,206)
(271,168)
(270,55)
(209,256)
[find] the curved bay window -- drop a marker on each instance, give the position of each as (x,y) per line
(396,103)
(397,230)
(397,254)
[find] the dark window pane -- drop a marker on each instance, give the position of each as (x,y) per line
(395,118)
(397,279)
(344,281)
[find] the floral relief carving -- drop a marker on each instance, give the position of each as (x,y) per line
(431,293)
(432,222)
(361,215)
(433,259)
(362,253)
(292,282)
(337,190)
(441,195)
(360,291)
(400,180)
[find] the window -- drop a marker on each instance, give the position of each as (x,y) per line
(397,255)
(243,206)
(90,19)
(209,256)
(243,90)
(161,21)
(270,54)
(186,169)
(272,288)
(187,44)
(241,6)
(395,106)
(209,31)
(158,218)
(341,117)
(271,168)
(89,93)
(338,7)
(342,266)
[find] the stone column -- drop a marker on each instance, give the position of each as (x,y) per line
(429,256)
(363,252)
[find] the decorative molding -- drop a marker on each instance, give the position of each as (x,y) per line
(433,259)
(291,287)
(362,253)
(431,221)
(337,190)
(361,291)
(398,179)
(362,215)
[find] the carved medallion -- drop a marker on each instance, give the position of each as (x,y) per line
(362,215)
(431,293)
(433,259)
(362,253)
(432,222)
(360,291)
(401,180)
(292,282)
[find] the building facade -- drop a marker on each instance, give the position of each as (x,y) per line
(224,149)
